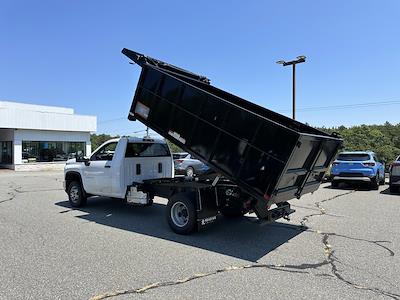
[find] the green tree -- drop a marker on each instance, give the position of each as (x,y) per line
(174,148)
(384,139)
(98,139)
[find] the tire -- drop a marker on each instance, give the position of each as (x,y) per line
(393,189)
(76,195)
(181,213)
(375,182)
(334,184)
(382,181)
(189,172)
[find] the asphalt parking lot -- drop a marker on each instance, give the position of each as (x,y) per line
(340,244)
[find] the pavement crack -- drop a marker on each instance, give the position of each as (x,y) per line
(301,269)
(322,210)
(332,260)
(376,243)
(10,198)
(11,194)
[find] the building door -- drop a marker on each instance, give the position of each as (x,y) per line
(6,153)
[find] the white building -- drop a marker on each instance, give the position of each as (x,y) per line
(34,137)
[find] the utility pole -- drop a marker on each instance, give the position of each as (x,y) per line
(293,63)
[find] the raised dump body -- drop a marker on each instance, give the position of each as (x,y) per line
(271,157)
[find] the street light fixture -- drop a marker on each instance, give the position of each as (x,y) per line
(300,59)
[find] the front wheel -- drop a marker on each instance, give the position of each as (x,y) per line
(76,195)
(181,213)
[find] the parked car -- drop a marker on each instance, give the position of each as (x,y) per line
(358,166)
(179,155)
(394,176)
(186,164)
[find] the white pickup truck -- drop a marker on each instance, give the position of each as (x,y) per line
(115,167)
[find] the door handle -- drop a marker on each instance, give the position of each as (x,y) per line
(107,166)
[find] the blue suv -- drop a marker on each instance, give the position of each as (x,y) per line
(358,166)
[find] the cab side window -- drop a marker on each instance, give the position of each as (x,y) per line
(146,150)
(105,153)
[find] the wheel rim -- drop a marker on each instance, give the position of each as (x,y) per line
(74,194)
(179,214)
(189,172)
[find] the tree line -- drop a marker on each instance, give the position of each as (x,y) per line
(384,139)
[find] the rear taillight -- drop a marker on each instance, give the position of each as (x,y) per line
(369,164)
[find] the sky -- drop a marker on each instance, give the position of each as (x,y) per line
(68,53)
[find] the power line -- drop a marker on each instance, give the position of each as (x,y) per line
(346,106)
(314,108)
(139,131)
(111,120)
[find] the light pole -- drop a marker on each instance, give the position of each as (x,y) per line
(300,59)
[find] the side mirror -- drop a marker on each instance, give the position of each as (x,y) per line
(83,159)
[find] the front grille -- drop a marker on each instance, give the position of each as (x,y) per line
(347,174)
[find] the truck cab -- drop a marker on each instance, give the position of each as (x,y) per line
(115,166)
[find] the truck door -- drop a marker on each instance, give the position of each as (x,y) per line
(98,174)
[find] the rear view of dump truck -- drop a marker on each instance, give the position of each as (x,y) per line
(260,159)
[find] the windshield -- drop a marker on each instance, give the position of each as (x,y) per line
(353,157)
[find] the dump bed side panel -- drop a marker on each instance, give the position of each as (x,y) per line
(245,147)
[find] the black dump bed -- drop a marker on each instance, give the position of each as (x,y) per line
(268,155)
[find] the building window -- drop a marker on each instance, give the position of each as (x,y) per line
(51,151)
(6,153)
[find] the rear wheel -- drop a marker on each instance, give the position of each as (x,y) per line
(393,189)
(76,195)
(181,213)
(382,181)
(375,182)
(189,171)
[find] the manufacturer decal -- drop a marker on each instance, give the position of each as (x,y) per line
(208,220)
